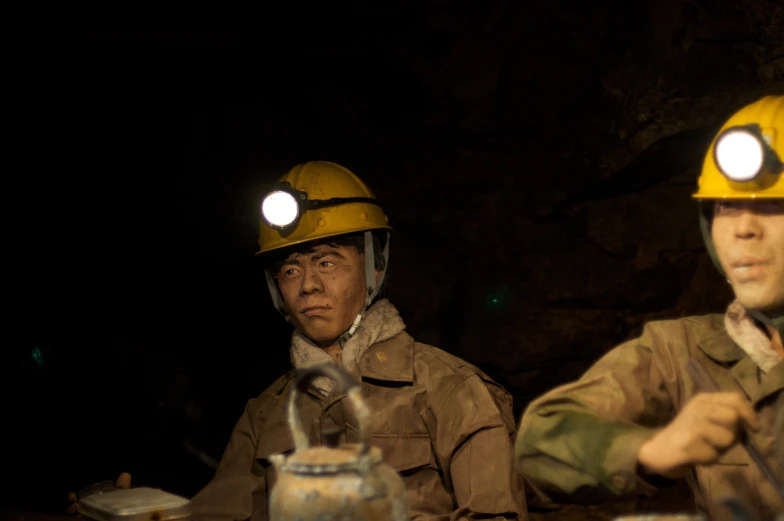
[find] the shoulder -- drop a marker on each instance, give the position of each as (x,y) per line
(692,330)
(442,362)
(671,343)
(435,364)
(443,372)
(278,387)
(260,407)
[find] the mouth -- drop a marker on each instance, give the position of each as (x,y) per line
(748,262)
(312,311)
(748,267)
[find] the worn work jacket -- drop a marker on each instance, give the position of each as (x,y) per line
(443,424)
(579,442)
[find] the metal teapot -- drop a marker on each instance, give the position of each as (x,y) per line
(347,482)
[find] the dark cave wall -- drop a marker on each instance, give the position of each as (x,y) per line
(536,162)
(570,141)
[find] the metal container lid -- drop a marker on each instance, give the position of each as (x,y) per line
(135,504)
(328,460)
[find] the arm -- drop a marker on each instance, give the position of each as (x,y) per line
(229,496)
(580,441)
(474,449)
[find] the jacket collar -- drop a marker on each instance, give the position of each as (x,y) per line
(719,347)
(381,323)
(391,360)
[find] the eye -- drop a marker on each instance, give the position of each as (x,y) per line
(290,272)
(774,206)
(326,264)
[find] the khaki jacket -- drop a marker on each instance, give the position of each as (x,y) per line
(579,442)
(443,424)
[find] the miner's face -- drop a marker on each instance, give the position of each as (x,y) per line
(323,290)
(749,240)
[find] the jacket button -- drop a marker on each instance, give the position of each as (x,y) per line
(619,482)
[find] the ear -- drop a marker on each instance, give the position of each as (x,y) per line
(378,275)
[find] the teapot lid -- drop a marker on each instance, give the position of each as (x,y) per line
(348,457)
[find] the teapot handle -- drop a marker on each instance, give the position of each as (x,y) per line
(347,385)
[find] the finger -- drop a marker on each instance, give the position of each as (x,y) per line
(749,417)
(717,436)
(703,453)
(723,415)
(124,480)
(736,401)
(744,409)
(724,397)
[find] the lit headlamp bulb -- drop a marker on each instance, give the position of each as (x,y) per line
(740,155)
(279,209)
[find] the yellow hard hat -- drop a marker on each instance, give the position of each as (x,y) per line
(314,201)
(745,159)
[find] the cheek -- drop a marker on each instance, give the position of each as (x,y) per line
(776,230)
(349,290)
(288,293)
(719,234)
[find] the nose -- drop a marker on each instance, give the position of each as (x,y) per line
(311,282)
(747,225)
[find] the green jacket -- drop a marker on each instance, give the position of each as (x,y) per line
(578,443)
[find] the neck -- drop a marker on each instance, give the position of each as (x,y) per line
(331,347)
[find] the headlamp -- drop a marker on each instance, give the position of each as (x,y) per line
(280,209)
(284,206)
(742,154)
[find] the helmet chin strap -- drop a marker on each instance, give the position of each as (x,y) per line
(277,300)
(373,286)
(706,218)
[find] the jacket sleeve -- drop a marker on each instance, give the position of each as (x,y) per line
(579,442)
(474,448)
(229,495)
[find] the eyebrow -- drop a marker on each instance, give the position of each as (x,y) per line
(327,253)
(315,257)
(291,262)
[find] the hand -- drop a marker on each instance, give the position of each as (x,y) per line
(705,428)
(123,482)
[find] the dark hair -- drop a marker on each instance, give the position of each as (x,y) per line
(273,261)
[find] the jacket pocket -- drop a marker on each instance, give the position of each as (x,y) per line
(405,453)
(275,439)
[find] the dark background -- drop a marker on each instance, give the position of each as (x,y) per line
(535,161)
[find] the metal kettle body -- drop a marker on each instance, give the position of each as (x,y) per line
(349,482)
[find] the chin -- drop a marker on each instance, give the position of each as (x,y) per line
(320,336)
(760,302)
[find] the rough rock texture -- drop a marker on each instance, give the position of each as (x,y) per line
(530,249)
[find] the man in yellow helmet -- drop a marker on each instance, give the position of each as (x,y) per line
(443,424)
(700,397)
